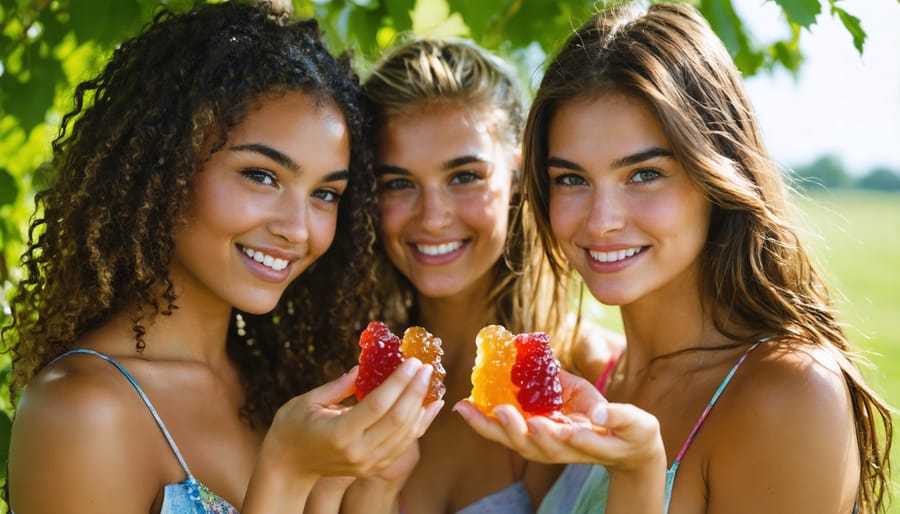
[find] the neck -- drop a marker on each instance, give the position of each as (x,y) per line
(195,331)
(456,321)
(670,320)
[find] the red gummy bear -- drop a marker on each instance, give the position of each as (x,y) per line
(536,372)
(379,358)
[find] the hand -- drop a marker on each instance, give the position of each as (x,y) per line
(618,436)
(315,435)
(378,493)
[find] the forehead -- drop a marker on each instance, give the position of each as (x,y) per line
(611,121)
(438,129)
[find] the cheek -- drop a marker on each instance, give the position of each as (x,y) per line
(322,228)
(562,218)
(394,215)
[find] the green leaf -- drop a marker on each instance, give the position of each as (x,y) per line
(9,189)
(852,24)
(801,12)
(5,433)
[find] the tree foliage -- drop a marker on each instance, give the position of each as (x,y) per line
(880,179)
(49,46)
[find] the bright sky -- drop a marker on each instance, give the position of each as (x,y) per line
(841,103)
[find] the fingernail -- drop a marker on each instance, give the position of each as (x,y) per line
(411,366)
(600,414)
(425,375)
(501,416)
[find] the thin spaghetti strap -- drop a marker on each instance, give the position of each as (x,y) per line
(673,469)
(146,400)
(715,398)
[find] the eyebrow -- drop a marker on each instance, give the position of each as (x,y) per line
(628,160)
(269,152)
(449,165)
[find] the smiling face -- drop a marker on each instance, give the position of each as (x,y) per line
(626,214)
(445,183)
(264,206)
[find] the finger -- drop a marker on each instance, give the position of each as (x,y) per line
(484,425)
(514,426)
(398,427)
(337,390)
(380,400)
(550,441)
(431,411)
(579,395)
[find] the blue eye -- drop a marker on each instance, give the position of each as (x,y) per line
(260,176)
(645,175)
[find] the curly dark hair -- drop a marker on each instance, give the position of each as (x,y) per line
(124,162)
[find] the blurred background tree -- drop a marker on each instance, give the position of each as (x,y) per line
(49,46)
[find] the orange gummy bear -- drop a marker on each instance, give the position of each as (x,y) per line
(421,344)
(491,383)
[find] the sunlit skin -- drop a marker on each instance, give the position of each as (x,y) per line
(272,188)
(621,193)
(445,177)
(616,186)
(445,182)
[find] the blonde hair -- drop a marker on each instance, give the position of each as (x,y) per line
(422,72)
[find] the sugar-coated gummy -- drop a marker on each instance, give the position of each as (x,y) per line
(380,356)
(421,344)
(495,355)
(536,373)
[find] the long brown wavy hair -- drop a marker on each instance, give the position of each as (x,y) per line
(753,265)
(123,164)
(422,71)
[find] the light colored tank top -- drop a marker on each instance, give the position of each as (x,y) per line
(511,500)
(584,488)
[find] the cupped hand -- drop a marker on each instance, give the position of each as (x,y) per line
(618,436)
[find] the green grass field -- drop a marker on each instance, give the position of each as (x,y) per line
(854,239)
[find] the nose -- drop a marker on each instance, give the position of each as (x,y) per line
(435,209)
(607,212)
(291,219)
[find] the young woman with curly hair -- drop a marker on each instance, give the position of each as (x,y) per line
(650,180)
(206,241)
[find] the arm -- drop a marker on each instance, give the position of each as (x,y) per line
(621,437)
(313,436)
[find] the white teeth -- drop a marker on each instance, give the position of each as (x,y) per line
(266,260)
(440,249)
(614,256)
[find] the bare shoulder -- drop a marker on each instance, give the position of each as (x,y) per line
(592,349)
(785,435)
(801,384)
(80,430)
